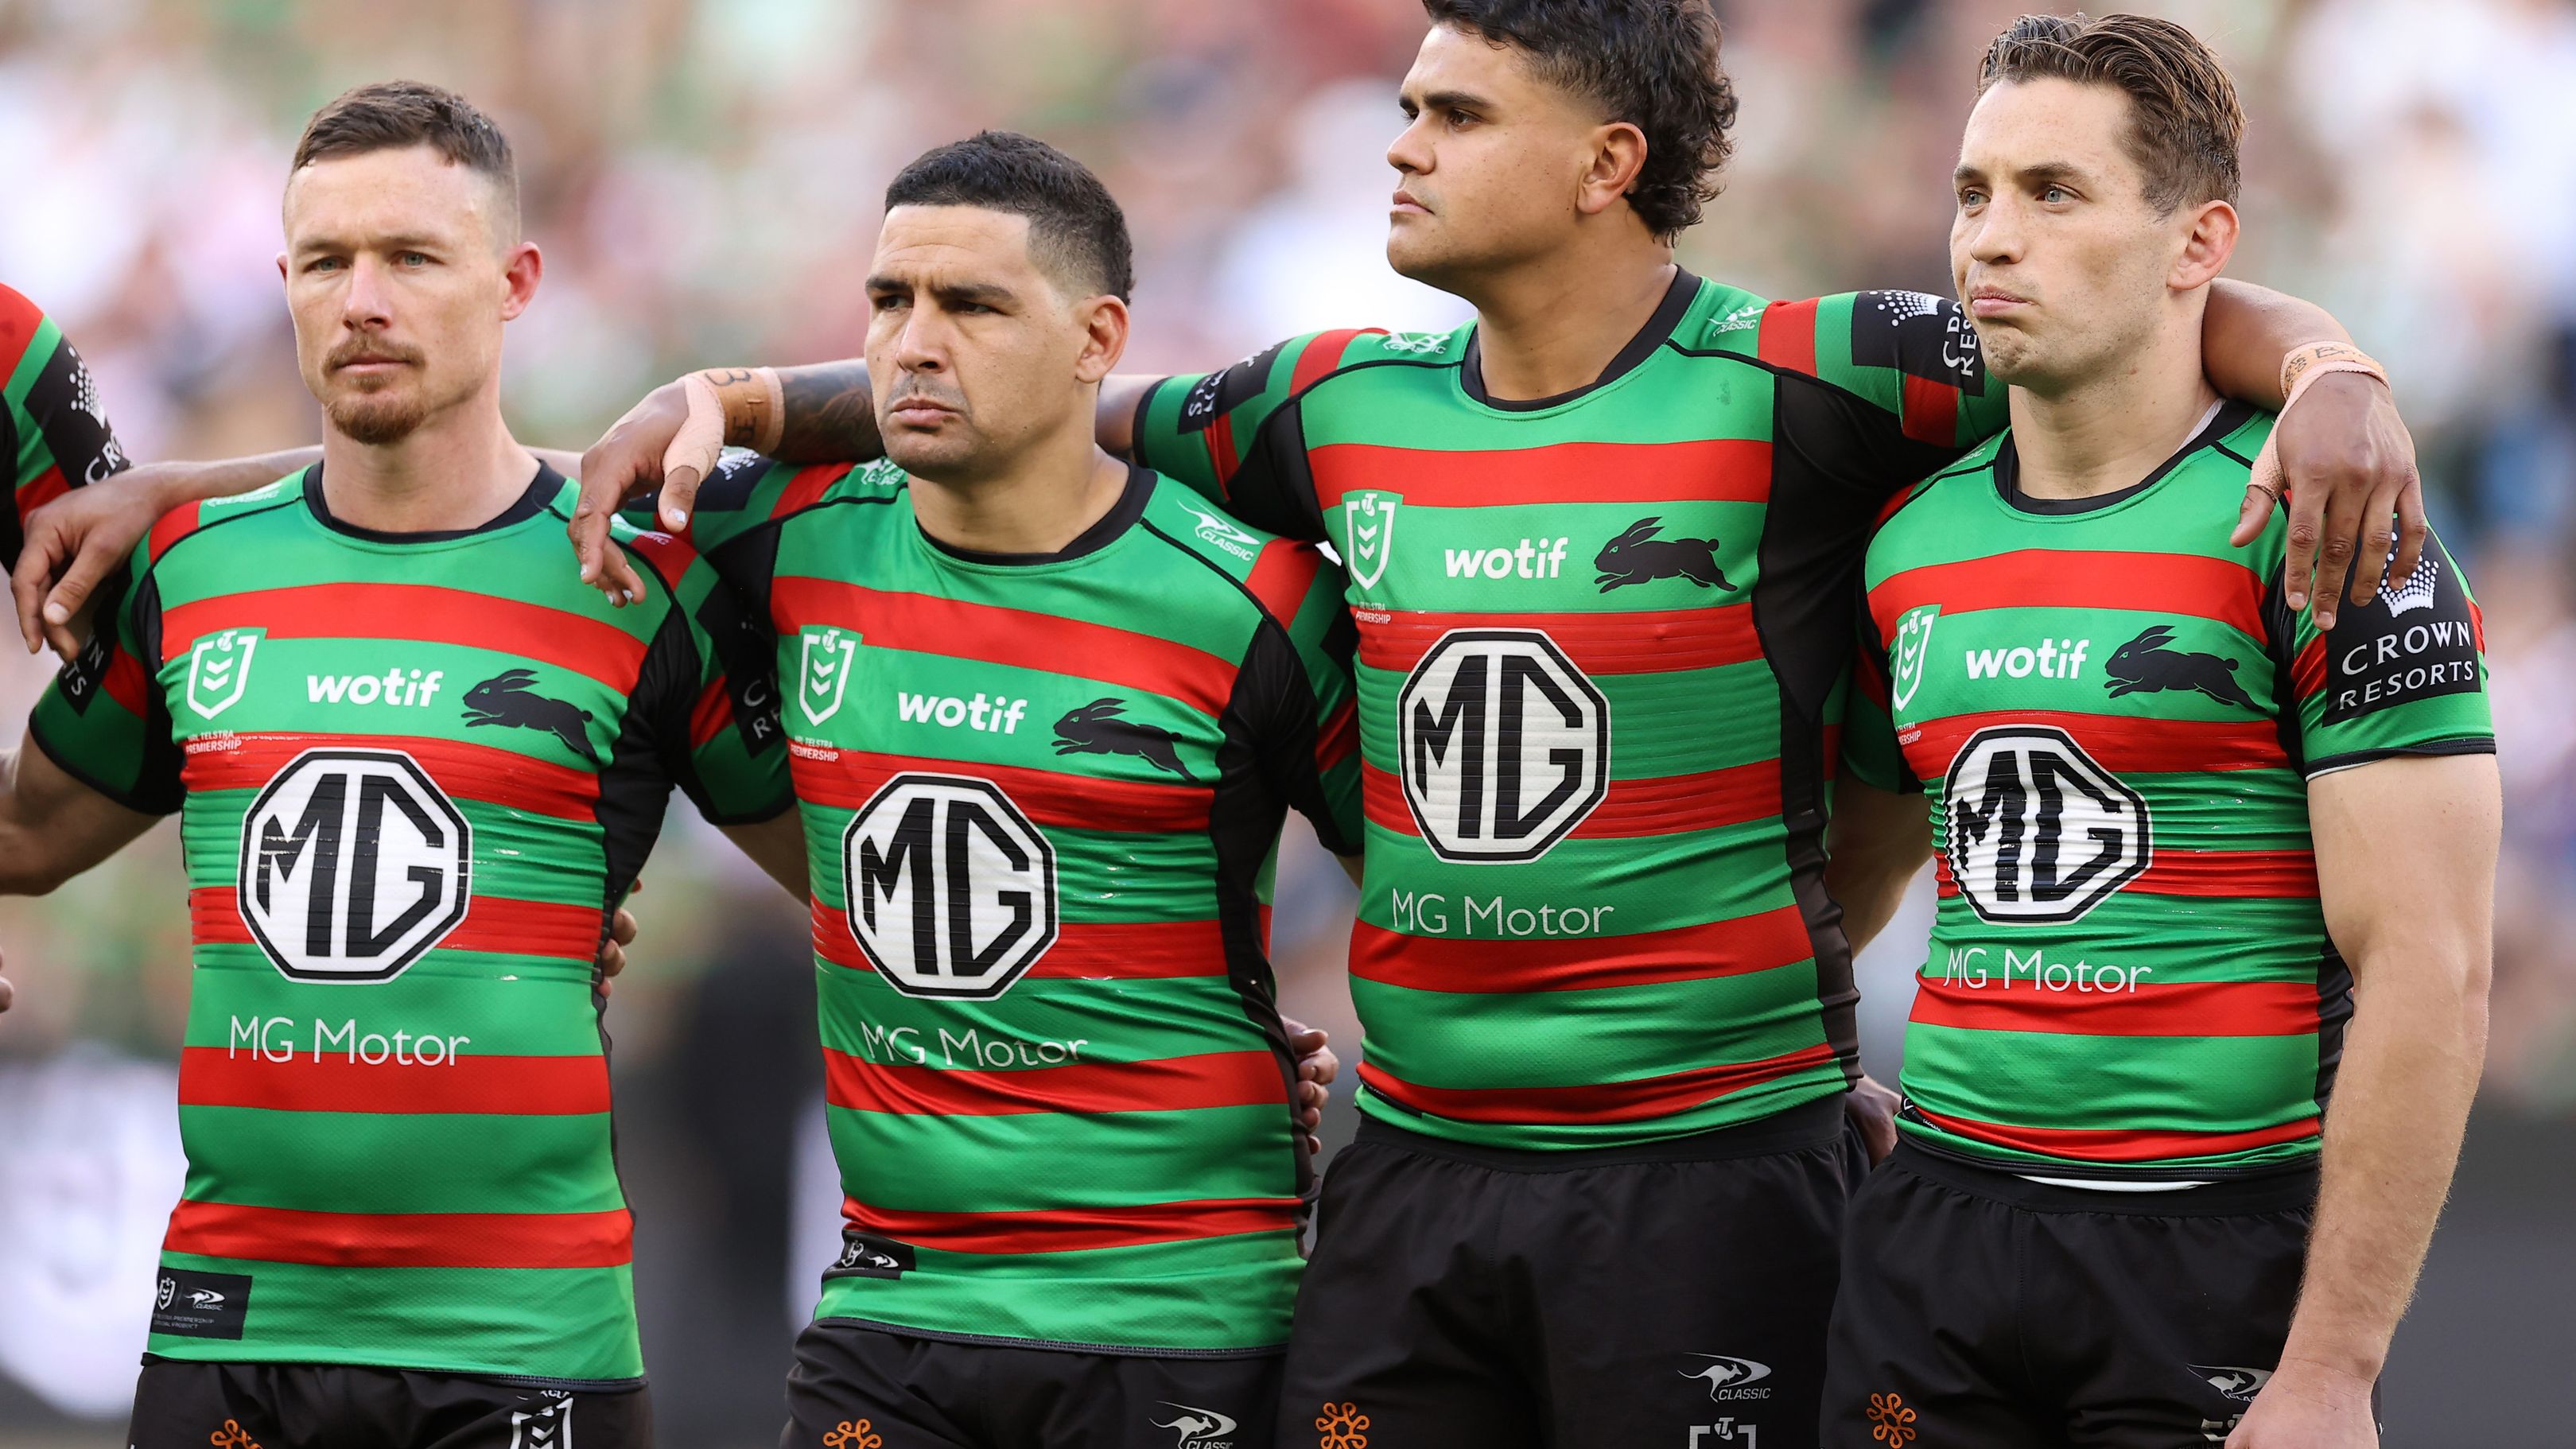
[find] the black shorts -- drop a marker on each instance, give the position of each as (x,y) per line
(182,1404)
(856,1386)
(1670,1297)
(1981,1309)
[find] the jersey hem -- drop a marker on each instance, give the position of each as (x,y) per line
(1796,1128)
(994,1340)
(489,1376)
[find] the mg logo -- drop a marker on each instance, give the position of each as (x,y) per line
(1505,746)
(353,863)
(1368,526)
(823,676)
(1907,655)
(950,889)
(219,669)
(2039,833)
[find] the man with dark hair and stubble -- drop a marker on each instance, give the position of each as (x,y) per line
(1601,547)
(420,768)
(2205,861)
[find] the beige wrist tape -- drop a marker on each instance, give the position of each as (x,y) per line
(755,407)
(2306,364)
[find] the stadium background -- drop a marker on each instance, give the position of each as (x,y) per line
(703,176)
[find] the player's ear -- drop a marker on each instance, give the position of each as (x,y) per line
(1618,154)
(520,270)
(1104,337)
(2205,247)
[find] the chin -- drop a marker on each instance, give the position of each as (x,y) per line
(376,419)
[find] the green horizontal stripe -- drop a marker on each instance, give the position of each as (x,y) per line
(563,1323)
(399,1162)
(1646,883)
(450,994)
(1681,722)
(1668,399)
(1115,1020)
(2109,1083)
(1024,1160)
(1216,1293)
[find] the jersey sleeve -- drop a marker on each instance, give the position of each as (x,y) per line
(1233,434)
(56,429)
(2405,674)
(1870,751)
(103,718)
(1911,356)
(1309,749)
(713,710)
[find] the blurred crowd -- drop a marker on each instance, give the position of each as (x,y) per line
(704,176)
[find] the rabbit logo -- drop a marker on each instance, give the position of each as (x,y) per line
(1637,556)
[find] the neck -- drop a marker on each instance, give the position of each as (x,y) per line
(1041,504)
(2106,432)
(460,470)
(1554,325)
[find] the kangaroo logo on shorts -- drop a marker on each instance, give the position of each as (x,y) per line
(219,670)
(1198,1428)
(950,889)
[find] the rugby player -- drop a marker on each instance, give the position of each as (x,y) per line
(1602,546)
(2203,862)
(1047,713)
(420,764)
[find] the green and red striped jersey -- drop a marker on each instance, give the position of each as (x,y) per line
(53,428)
(2114,716)
(1600,675)
(416,771)
(1043,796)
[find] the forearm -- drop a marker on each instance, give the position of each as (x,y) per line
(1877,842)
(2247,331)
(2401,1102)
(169,484)
(827,415)
(51,827)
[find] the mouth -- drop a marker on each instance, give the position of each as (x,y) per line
(1994,301)
(919,412)
(1404,204)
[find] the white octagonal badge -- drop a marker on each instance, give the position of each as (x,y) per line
(950,890)
(2039,832)
(1505,745)
(353,863)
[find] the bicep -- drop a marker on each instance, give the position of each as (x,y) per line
(1121,396)
(2406,851)
(777,846)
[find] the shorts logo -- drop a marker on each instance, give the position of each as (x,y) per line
(505,699)
(1910,651)
(1636,556)
(546,1428)
(353,865)
(1891,1420)
(1368,533)
(1503,745)
(232,1436)
(2145,666)
(1198,1428)
(852,1434)
(823,675)
(1217,529)
(2039,832)
(1098,728)
(2238,1384)
(1730,1378)
(219,670)
(1341,1426)
(950,889)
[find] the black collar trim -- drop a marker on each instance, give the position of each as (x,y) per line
(1668,315)
(1121,516)
(540,492)
(2231,415)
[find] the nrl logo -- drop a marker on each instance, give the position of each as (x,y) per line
(219,669)
(823,674)
(1913,646)
(1368,522)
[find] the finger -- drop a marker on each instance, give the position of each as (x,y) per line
(2262,495)
(5,993)
(612,960)
(2299,560)
(27,590)
(2336,547)
(2412,527)
(2378,538)
(621,927)
(1319,1065)
(72,595)
(693,452)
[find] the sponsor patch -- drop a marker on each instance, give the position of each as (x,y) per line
(200,1305)
(2415,640)
(865,1255)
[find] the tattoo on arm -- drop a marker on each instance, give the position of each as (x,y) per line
(831,417)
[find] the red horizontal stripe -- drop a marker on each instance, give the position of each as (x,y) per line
(2235,874)
(1218,437)
(171,527)
(1788,335)
(402,1240)
(1649,641)
(1631,1101)
(1578,963)
(1321,354)
(1019,638)
(2122,744)
(669,556)
(492,923)
(127,683)
(2180,1008)
(1281,574)
(2308,671)
(1070,1230)
(2046,578)
(1172,1084)
(44,488)
(488,773)
(419,612)
(1708,470)
(2119,1145)
(335,1082)
(1665,805)
(1931,411)
(808,487)
(1084,950)
(1076,802)
(1338,737)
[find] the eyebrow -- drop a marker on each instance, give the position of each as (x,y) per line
(407,241)
(984,292)
(1455,101)
(2044,173)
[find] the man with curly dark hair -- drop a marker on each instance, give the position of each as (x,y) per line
(1608,1000)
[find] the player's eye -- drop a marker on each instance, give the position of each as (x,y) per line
(1971,196)
(323,264)
(412,259)
(2057,195)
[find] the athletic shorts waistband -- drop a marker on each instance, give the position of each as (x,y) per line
(1809,1124)
(2283,1191)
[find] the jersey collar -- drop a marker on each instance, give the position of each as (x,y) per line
(1668,315)
(541,491)
(2226,418)
(1103,532)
